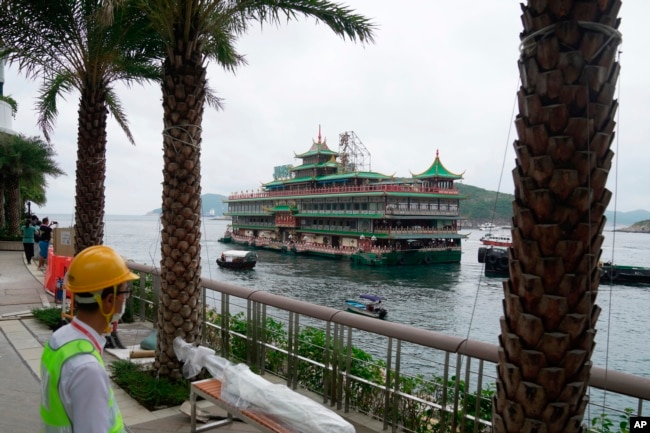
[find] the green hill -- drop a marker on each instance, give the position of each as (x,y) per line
(638,227)
(482,205)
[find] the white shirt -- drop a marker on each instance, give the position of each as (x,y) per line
(84,386)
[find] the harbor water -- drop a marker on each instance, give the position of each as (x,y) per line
(453,299)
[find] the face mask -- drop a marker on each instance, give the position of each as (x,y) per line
(117,316)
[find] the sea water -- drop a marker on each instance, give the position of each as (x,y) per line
(453,299)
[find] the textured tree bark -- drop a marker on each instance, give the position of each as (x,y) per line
(14,208)
(180,307)
(91,168)
(565,127)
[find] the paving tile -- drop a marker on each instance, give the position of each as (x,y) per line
(21,347)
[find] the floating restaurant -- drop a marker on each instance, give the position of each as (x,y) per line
(333,205)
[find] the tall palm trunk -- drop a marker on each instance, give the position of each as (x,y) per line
(3,218)
(91,168)
(180,310)
(565,128)
(14,206)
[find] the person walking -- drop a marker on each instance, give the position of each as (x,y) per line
(76,396)
(44,242)
(28,240)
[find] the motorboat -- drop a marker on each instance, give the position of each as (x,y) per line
(496,241)
(237,259)
(368,305)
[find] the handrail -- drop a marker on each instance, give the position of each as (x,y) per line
(612,381)
(620,382)
(383,188)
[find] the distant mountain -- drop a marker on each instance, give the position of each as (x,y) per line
(627,218)
(209,202)
(480,207)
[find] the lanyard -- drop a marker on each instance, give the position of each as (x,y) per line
(87,334)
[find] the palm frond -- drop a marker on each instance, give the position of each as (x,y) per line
(53,87)
(115,107)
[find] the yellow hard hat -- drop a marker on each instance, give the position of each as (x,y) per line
(97,268)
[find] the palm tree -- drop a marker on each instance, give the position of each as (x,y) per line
(24,163)
(565,128)
(194,32)
(87,46)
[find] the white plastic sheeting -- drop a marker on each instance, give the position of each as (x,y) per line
(246,390)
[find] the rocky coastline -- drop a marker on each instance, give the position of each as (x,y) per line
(638,227)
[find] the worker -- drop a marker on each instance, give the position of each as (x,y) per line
(76,395)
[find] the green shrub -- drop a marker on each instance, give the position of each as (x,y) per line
(150,391)
(49,316)
(602,423)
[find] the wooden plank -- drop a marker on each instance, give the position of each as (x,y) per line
(210,389)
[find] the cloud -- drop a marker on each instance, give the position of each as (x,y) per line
(441,76)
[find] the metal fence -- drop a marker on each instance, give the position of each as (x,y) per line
(410,379)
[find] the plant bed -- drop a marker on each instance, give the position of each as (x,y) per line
(11,246)
(150,391)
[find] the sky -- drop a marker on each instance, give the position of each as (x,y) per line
(441,76)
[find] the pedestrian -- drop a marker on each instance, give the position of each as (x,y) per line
(28,240)
(76,396)
(44,242)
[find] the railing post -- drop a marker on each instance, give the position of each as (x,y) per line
(250,344)
(389,358)
(479,396)
(348,370)
(466,392)
(459,361)
(396,388)
(443,403)
(156,298)
(263,335)
(225,325)
(340,360)
(328,380)
(143,297)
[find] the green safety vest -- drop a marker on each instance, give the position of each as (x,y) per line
(53,414)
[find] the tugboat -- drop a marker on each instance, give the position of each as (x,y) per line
(496,261)
(620,274)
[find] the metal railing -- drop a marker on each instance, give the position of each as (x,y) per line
(400,375)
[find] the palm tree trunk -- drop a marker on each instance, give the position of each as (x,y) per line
(565,128)
(3,218)
(14,206)
(180,313)
(91,168)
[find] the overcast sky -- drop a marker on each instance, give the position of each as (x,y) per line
(441,76)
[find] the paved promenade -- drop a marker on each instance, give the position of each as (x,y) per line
(21,343)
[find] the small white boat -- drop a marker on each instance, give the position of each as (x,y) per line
(370,305)
(487,226)
(237,259)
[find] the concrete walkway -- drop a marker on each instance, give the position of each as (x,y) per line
(21,344)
